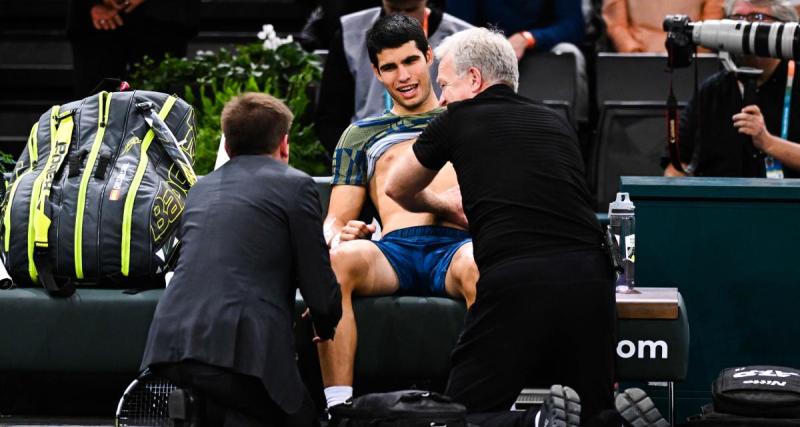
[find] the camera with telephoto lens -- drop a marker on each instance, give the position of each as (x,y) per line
(679,42)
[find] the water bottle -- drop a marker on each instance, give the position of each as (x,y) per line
(623,228)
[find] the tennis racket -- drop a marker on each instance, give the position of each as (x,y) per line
(145,403)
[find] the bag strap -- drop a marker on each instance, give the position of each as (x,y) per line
(41,220)
(673,121)
(167,139)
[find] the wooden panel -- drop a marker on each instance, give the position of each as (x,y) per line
(648,303)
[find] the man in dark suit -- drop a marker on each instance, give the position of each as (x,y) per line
(251,233)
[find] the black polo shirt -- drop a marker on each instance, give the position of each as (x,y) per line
(521,176)
(724,152)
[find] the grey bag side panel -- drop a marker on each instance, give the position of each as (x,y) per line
(55,208)
(64,197)
(93,224)
(168,203)
(154,198)
(126,150)
(17,256)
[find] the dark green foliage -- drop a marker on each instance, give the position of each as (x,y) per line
(210,79)
(6,162)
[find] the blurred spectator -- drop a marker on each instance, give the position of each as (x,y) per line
(587,7)
(109,36)
(324,21)
(349,90)
(536,26)
(636,25)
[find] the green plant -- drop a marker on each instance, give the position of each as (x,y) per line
(211,79)
(6,162)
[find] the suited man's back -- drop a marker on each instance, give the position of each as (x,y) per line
(251,234)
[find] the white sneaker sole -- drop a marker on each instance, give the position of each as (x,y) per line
(563,407)
(638,409)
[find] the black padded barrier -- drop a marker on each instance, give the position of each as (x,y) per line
(644,77)
(549,77)
(631,140)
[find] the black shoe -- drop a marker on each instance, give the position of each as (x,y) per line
(561,408)
(182,407)
(638,409)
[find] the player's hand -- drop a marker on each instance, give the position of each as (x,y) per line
(355,229)
(454,211)
(750,122)
(105,18)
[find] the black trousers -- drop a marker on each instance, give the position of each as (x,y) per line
(111,54)
(233,400)
(536,322)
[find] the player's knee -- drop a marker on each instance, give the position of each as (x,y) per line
(465,270)
(348,267)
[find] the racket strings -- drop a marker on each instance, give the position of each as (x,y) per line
(147,404)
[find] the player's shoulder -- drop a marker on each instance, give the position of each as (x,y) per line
(358,133)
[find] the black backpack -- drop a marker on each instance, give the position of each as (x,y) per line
(753,396)
(405,408)
(98,191)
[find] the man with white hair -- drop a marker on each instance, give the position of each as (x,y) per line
(544,311)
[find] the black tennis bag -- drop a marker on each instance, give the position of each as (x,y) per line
(98,191)
(405,408)
(753,396)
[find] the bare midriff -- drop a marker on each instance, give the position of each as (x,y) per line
(393,216)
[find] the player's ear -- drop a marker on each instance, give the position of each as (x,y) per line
(377,73)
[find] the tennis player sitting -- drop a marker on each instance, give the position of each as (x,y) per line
(419,253)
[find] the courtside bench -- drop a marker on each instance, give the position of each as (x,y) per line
(403,340)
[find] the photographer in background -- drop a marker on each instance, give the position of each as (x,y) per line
(738,140)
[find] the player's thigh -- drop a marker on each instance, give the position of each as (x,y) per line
(462,273)
(360,265)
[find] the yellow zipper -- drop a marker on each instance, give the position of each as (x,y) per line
(37,188)
(33,156)
(104,102)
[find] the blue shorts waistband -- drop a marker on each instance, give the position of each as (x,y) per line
(428,230)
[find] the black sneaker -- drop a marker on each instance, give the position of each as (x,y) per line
(561,408)
(638,409)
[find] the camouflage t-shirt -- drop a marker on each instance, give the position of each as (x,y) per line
(365,141)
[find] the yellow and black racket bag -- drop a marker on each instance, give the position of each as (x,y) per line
(97,194)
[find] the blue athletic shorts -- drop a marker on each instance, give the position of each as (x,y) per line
(421,255)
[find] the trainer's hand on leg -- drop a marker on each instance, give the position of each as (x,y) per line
(454,211)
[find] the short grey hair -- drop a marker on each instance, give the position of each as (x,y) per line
(781,9)
(487,50)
